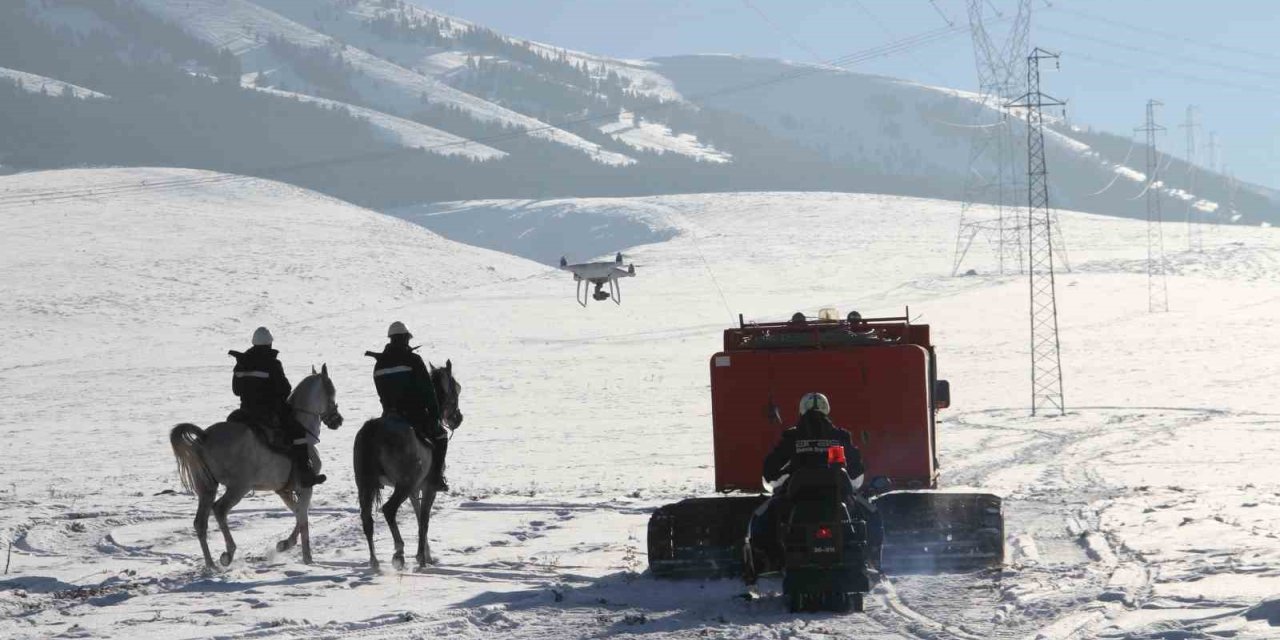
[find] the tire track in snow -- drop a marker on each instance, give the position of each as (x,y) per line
(1071,491)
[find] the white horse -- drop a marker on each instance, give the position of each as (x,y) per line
(229,453)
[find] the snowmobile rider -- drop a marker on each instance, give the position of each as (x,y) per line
(259,381)
(405,389)
(802,446)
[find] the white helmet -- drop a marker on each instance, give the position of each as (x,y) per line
(815,400)
(262,337)
(397,328)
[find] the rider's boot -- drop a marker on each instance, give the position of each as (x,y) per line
(437,470)
(302,462)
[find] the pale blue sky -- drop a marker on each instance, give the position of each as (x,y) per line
(1222,55)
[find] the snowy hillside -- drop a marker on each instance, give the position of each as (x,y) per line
(464,112)
(404,132)
(1147,512)
(243,27)
(40,84)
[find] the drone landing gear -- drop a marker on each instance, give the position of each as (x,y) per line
(600,295)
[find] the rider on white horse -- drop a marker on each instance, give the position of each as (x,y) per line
(405,389)
(259,381)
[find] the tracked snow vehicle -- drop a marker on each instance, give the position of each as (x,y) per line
(881,377)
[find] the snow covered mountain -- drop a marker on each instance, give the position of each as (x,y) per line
(435,109)
(1147,512)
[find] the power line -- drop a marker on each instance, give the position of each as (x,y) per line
(1165,54)
(843,62)
(1167,72)
(1182,39)
(783,32)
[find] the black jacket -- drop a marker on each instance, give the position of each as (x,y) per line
(805,446)
(258,378)
(403,381)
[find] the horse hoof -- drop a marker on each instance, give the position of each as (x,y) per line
(225,559)
(398,563)
(283,546)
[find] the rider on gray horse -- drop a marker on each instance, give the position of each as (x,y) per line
(405,389)
(259,381)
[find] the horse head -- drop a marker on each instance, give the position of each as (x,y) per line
(447,392)
(316,395)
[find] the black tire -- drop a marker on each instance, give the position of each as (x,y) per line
(795,601)
(855,602)
(837,602)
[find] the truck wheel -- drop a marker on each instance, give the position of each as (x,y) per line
(795,601)
(837,601)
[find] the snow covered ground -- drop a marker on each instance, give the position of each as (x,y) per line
(656,137)
(401,131)
(34,83)
(1147,512)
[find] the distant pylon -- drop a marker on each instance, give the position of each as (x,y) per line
(1157,281)
(1195,237)
(1046,352)
(992,182)
(1214,168)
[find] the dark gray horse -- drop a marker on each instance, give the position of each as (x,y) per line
(388,454)
(229,453)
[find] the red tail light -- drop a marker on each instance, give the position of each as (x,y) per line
(823,533)
(835,455)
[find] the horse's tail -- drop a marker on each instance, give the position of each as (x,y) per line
(366,461)
(192,470)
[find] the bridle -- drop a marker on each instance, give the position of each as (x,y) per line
(449,399)
(328,416)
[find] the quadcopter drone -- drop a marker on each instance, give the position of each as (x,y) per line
(599,274)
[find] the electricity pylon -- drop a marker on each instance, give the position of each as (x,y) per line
(993,161)
(1157,280)
(1046,352)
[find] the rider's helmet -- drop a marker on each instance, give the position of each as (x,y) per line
(262,337)
(397,328)
(815,400)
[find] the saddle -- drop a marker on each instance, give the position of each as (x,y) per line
(266,428)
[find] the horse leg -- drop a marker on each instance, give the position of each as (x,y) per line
(290,501)
(303,523)
(367,489)
(389,511)
(424,523)
(202,522)
(221,508)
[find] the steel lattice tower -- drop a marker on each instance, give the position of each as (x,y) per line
(1195,237)
(992,177)
(1046,361)
(1157,282)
